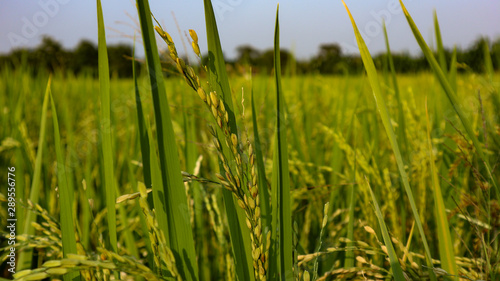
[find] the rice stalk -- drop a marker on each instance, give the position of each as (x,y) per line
(281,238)
(25,257)
(382,108)
(397,272)
(450,93)
(106,130)
(445,244)
(240,180)
(66,198)
(179,229)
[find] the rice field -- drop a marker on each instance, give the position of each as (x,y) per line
(379,176)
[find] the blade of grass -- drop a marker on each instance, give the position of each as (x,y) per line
(66,198)
(490,72)
(191,156)
(439,42)
(263,190)
(442,103)
(157,187)
(453,70)
(401,118)
(487,61)
(397,271)
(239,232)
(105,129)
(25,256)
(349,255)
(282,247)
(179,226)
(450,93)
(445,242)
(124,215)
(384,114)
(143,134)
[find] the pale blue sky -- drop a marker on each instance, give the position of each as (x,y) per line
(304,24)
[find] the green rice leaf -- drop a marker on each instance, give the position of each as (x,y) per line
(349,255)
(282,247)
(453,70)
(263,190)
(144,144)
(157,187)
(66,198)
(445,244)
(397,271)
(174,195)
(401,118)
(239,232)
(450,93)
(143,134)
(439,41)
(384,115)
(24,261)
(105,129)
(191,156)
(488,64)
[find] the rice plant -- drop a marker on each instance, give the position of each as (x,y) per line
(190,181)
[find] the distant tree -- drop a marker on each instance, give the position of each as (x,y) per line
(351,63)
(495,53)
(266,60)
(118,63)
(474,56)
(328,58)
(51,55)
(247,55)
(20,57)
(84,57)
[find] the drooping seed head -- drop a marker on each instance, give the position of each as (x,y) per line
(168,38)
(369,229)
(234,139)
(222,108)
(164,35)
(241,204)
(193,35)
(219,176)
(219,122)
(180,66)
(215,100)
(214,111)
(202,94)
(249,225)
(208,101)
(251,203)
(257,212)
(256,253)
(190,72)
(196,48)
(254,191)
(258,230)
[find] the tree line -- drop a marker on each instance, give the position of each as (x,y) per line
(51,56)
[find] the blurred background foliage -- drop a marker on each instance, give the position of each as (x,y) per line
(330,59)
